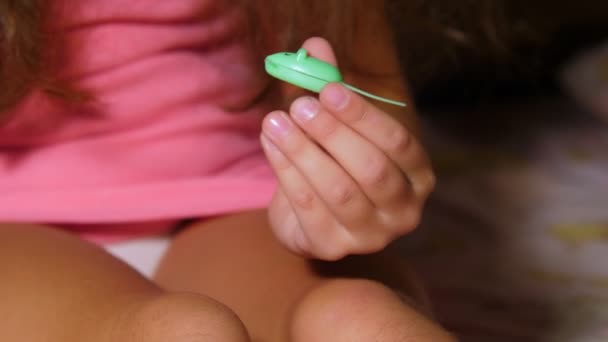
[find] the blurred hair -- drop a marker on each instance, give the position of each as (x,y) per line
(435,36)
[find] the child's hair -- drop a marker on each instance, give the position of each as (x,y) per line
(433,33)
(21,42)
(26,57)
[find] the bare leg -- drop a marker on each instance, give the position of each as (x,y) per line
(282,297)
(57,288)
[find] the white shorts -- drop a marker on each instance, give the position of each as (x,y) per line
(143,254)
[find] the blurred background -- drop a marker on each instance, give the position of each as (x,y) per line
(513,96)
(466,51)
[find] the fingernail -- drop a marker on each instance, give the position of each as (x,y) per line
(278,124)
(305,109)
(336,96)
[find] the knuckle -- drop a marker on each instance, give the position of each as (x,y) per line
(398,139)
(356,111)
(341,194)
(378,172)
(304,199)
(327,130)
(400,191)
(362,114)
(363,214)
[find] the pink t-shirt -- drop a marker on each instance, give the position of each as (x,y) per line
(171,134)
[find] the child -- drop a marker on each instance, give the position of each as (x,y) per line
(128,119)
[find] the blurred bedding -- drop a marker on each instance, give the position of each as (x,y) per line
(514,244)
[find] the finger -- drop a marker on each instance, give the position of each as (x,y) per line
(320,48)
(330,181)
(378,177)
(285,223)
(323,236)
(383,131)
(316,47)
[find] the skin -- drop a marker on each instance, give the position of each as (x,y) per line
(360,202)
(279,274)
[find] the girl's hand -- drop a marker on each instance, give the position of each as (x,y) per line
(352,178)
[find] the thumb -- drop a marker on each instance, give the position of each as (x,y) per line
(316,47)
(320,48)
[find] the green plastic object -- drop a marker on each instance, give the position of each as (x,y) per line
(310,73)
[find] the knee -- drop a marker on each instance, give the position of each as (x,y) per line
(353,310)
(336,305)
(187,318)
